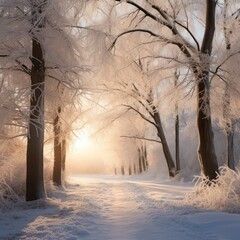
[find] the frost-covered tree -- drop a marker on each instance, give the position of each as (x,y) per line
(17,51)
(62,127)
(35,182)
(37,41)
(136,93)
(169,24)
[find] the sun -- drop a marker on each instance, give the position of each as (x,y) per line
(83,141)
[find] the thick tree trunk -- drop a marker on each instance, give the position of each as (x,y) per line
(34,176)
(57,167)
(34,179)
(206,150)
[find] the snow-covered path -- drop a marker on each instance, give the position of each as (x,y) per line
(108,208)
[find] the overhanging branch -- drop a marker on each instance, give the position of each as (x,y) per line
(140,114)
(141,138)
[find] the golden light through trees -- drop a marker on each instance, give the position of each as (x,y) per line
(83,141)
(88,153)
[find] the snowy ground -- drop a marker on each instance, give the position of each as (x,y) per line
(116,208)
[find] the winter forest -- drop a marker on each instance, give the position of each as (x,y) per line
(113,111)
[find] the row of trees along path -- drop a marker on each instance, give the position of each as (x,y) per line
(39,67)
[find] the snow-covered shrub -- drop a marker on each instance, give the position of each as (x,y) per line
(13,174)
(12,178)
(223,194)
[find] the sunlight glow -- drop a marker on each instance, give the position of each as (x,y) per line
(83,142)
(89,153)
(85,154)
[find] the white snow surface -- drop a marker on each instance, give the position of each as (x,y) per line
(117,208)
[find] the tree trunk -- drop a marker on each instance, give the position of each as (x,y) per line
(139,160)
(166,150)
(143,159)
(134,168)
(229,129)
(158,124)
(230,162)
(57,167)
(206,150)
(34,177)
(130,170)
(229,125)
(64,153)
(122,170)
(177,152)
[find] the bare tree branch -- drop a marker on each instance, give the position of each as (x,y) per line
(12,137)
(142,138)
(181,46)
(190,33)
(140,114)
(184,46)
(147,13)
(23,67)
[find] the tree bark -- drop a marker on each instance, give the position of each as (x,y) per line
(57,167)
(34,177)
(206,150)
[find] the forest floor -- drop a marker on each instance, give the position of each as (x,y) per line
(117,208)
